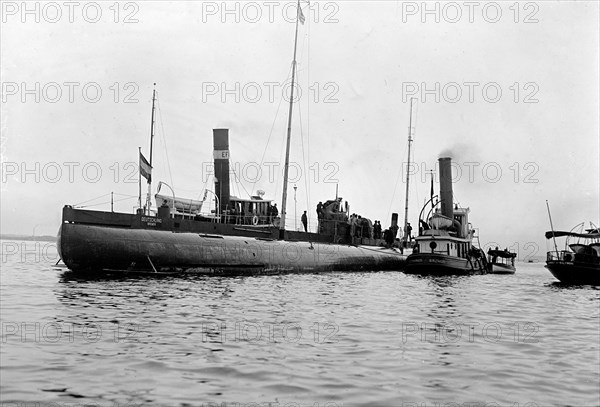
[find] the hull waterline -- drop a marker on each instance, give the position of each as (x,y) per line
(571,273)
(440,265)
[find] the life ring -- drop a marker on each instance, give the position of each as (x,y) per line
(255,220)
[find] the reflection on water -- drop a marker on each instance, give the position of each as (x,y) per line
(338,338)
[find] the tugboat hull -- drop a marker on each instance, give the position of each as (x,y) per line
(573,273)
(439,264)
(93,248)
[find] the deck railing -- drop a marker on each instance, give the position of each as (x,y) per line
(567,256)
(560,255)
(251,219)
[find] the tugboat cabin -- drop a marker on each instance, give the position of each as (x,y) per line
(441,235)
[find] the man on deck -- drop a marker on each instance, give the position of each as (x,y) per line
(304,220)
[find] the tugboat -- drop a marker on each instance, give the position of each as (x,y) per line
(579,262)
(501,261)
(239,236)
(444,245)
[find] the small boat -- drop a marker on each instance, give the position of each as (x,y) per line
(444,245)
(183,205)
(501,261)
(579,261)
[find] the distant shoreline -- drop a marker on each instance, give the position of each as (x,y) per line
(31,238)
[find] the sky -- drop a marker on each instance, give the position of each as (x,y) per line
(509,90)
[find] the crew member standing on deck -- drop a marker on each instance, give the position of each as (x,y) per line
(353,225)
(409,231)
(378,229)
(388,236)
(305,221)
(269,213)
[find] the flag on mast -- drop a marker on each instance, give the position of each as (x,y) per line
(301,17)
(145,168)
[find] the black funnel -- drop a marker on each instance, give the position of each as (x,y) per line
(446,199)
(221,156)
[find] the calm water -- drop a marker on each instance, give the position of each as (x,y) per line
(336,339)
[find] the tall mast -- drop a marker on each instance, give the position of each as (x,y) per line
(289,134)
(410,134)
(148,197)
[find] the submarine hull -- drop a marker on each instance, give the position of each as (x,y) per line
(94,248)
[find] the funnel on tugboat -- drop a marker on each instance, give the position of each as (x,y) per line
(444,245)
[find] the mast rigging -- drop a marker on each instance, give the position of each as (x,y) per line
(410,140)
(148,197)
(289,132)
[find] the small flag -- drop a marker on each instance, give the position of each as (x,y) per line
(145,168)
(301,17)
